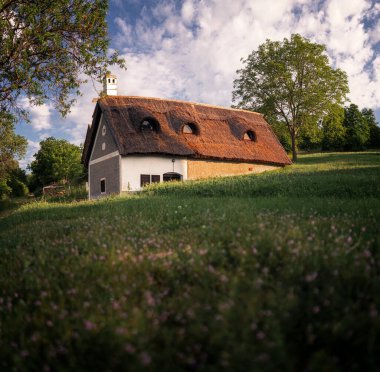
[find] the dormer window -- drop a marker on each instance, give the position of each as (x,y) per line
(249,136)
(149,125)
(189,128)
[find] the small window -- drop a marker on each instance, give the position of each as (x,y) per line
(104,130)
(109,80)
(156,178)
(103,185)
(144,179)
(113,80)
(103,146)
(189,128)
(249,136)
(149,125)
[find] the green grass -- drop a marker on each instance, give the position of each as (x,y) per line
(278,271)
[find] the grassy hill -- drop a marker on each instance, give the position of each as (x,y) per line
(278,271)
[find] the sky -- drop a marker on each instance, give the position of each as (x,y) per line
(191,49)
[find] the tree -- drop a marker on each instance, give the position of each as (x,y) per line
(333,130)
(374,129)
(12,147)
(291,80)
(57,161)
(46,49)
(357,128)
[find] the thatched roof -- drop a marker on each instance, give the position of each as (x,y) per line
(219,131)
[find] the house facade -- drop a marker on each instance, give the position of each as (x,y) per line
(134,141)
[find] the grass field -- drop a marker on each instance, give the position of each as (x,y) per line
(271,272)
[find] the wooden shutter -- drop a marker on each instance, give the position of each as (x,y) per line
(156,178)
(144,179)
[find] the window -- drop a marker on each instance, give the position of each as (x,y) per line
(189,128)
(144,179)
(249,136)
(155,178)
(103,146)
(113,80)
(103,185)
(149,125)
(104,130)
(172,176)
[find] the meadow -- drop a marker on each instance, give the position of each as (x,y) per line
(272,272)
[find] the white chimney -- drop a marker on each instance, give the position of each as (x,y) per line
(110,85)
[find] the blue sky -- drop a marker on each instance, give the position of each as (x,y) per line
(190,50)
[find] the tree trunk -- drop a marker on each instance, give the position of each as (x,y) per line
(294,147)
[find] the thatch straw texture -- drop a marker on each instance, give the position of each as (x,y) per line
(219,131)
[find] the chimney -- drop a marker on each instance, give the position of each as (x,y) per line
(110,85)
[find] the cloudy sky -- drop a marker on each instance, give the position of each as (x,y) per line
(191,49)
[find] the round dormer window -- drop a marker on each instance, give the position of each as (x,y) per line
(104,130)
(189,128)
(250,135)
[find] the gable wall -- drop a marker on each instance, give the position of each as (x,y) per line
(110,145)
(104,164)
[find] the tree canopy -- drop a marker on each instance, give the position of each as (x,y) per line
(357,128)
(57,161)
(291,81)
(47,47)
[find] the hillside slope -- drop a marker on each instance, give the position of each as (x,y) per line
(278,271)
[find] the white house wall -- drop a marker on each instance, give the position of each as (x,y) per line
(133,166)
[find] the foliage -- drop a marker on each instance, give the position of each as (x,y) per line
(292,80)
(310,136)
(12,146)
(374,129)
(17,181)
(57,161)
(46,49)
(357,128)
(333,130)
(282,133)
(238,276)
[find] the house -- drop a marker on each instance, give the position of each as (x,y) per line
(134,141)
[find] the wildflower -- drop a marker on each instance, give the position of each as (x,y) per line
(145,358)
(311,277)
(260,335)
(88,325)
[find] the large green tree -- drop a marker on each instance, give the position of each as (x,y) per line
(291,80)
(46,49)
(57,161)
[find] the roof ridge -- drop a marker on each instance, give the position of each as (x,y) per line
(182,101)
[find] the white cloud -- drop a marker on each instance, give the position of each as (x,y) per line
(40,116)
(32,149)
(176,61)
